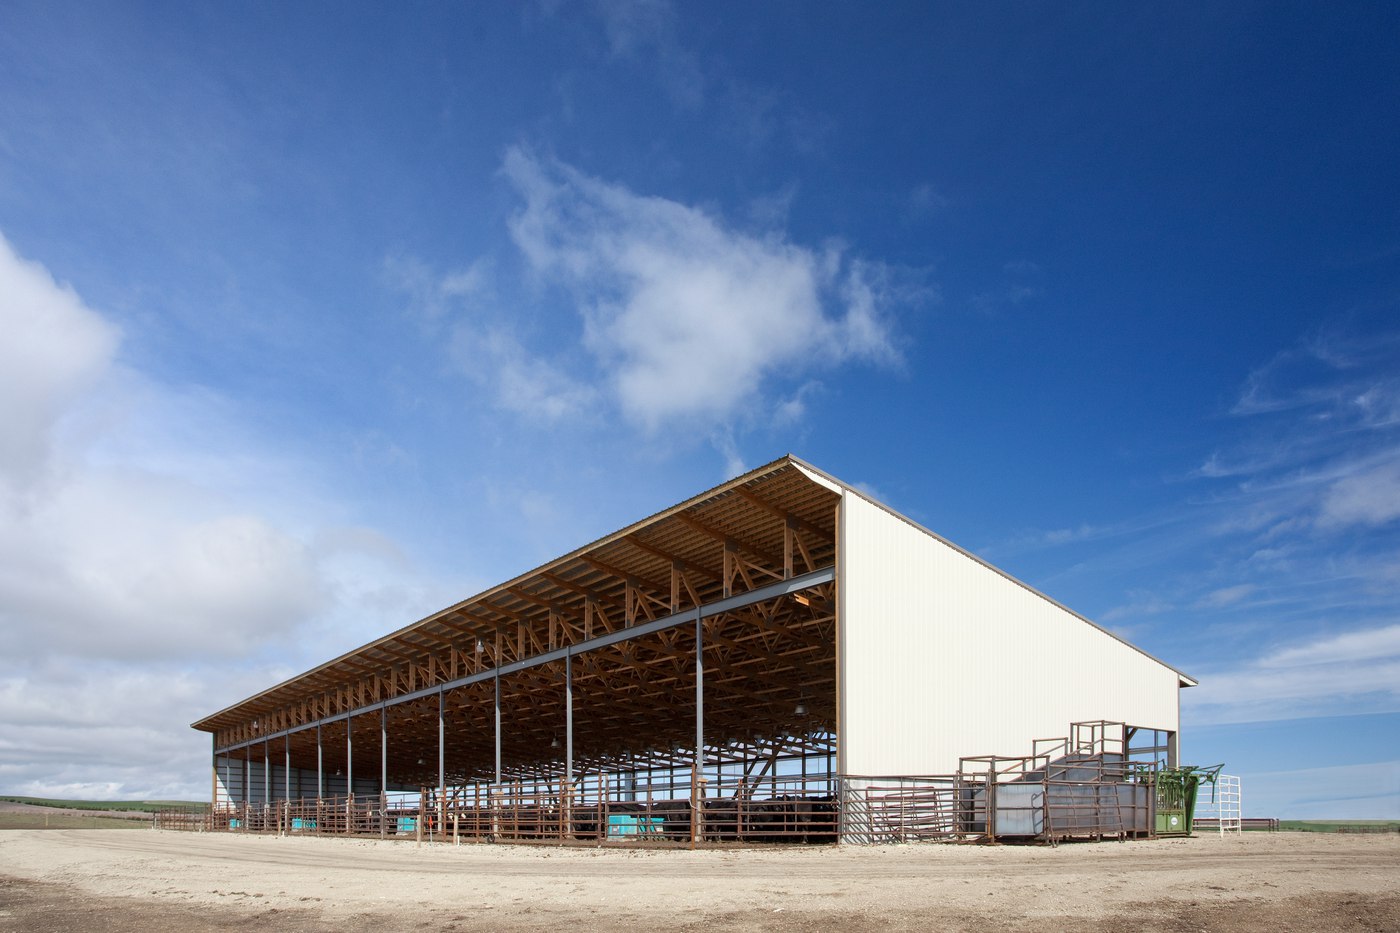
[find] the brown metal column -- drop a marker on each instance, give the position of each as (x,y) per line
(442,766)
(697,773)
(383,771)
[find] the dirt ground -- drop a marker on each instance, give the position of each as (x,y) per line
(166,881)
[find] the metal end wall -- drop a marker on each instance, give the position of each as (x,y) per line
(944,657)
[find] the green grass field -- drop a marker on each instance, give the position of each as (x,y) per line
(1340,826)
(47,813)
(143,806)
(35,820)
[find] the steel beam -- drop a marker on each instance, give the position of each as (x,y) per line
(442,753)
(569,719)
(728,604)
(349,760)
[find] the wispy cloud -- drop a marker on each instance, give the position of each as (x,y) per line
(1365,646)
(522,383)
(1345,673)
(1227,596)
(1339,792)
(436,297)
(1018,284)
(1285,544)
(924,201)
(1367,497)
(648,29)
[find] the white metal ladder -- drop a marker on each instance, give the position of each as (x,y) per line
(1227,803)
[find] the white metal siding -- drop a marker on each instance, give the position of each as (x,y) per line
(944,657)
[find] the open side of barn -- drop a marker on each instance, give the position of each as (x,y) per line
(780,657)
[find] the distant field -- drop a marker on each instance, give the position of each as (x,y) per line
(32,819)
(144,806)
(52,813)
(1340,826)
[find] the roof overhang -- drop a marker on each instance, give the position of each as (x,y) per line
(771,523)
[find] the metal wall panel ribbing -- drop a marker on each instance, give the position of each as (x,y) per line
(231,786)
(944,657)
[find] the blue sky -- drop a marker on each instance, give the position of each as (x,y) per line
(318,318)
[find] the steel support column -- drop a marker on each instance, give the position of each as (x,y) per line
(383,770)
(697,780)
(320,766)
(569,743)
(498,728)
(569,719)
(442,763)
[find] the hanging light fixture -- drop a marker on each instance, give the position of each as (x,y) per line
(801,709)
(554,743)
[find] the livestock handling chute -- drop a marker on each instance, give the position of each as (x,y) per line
(1177,792)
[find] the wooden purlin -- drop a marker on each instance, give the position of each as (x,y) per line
(662,566)
(639,687)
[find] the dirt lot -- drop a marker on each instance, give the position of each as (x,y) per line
(167,881)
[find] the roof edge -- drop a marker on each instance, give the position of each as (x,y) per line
(819,475)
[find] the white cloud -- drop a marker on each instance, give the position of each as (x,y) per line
(156,563)
(110,730)
(687,319)
(53,349)
(102,569)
